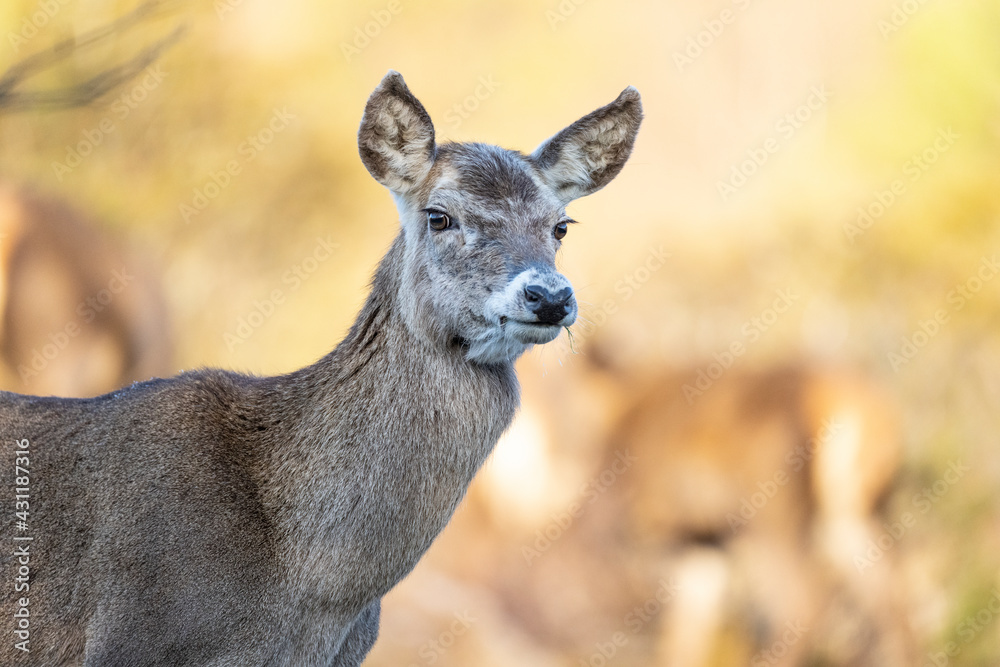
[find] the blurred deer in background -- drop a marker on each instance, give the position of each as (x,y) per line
(725,525)
(79,316)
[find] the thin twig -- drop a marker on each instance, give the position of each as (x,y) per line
(94,87)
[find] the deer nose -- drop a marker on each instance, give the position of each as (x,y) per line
(549,307)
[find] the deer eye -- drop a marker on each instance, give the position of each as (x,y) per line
(438,220)
(560,230)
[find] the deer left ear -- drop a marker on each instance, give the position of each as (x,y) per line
(396,137)
(585,156)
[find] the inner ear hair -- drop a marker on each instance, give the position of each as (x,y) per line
(396,137)
(585,156)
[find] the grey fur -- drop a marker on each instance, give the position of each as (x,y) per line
(218,519)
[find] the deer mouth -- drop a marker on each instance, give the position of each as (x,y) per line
(504,338)
(505,320)
(533,333)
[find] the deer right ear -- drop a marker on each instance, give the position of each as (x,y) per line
(585,156)
(396,138)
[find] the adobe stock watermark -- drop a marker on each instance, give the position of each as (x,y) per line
(901,14)
(626,287)
(913,169)
(293,278)
(752,330)
(632,624)
(775,653)
(86,312)
(220,179)
(784,130)
(696,44)
(432,650)
(21,557)
(118,110)
(967,630)
(223,7)
(369,31)
(921,504)
(44,12)
(593,489)
(460,111)
(795,460)
(957,298)
(562,12)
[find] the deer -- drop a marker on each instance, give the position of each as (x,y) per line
(741,526)
(223,519)
(103,320)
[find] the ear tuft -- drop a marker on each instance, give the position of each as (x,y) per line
(396,137)
(585,156)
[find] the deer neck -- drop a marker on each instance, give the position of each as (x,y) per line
(393,431)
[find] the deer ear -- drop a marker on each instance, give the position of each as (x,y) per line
(585,156)
(396,138)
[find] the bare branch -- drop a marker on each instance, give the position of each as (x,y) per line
(13,100)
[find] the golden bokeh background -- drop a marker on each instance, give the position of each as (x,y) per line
(815,183)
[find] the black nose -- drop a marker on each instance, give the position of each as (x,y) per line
(548,307)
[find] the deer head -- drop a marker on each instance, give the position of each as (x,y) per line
(481,224)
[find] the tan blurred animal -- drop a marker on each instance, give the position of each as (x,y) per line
(721,526)
(78,315)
